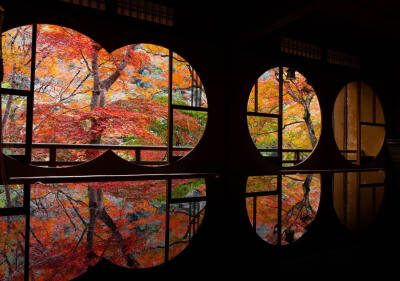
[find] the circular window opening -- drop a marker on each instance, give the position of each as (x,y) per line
(89,100)
(280,208)
(358,122)
(358,198)
(284,92)
(138,224)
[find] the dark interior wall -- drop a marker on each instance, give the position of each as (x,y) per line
(230,47)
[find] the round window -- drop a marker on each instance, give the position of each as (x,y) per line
(283,116)
(358,122)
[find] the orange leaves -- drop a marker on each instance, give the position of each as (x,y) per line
(11,248)
(17,46)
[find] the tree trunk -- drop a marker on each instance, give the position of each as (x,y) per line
(309,124)
(303,208)
(96,196)
(8,196)
(7,111)
(9,102)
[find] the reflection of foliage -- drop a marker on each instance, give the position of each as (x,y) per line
(181,189)
(12,231)
(11,196)
(300,200)
(300,207)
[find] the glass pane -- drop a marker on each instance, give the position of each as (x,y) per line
(12,248)
(154,155)
(261,183)
(252,100)
(188,188)
(187,88)
(77,155)
(268,92)
(17,52)
(295,156)
(13,118)
(189,126)
(11,196)
(264,133)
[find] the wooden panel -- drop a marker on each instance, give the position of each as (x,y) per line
(338,195)
(367,100)
(372,139)
(352,116)
(367,213)
(338,119)
(380,118)
(352,201)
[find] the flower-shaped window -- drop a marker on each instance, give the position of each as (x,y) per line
(143,101)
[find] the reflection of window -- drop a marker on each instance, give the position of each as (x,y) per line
(143,101)
(136,224)
(359,124)
(125,222)
(358,197)
(283,116)
(280,208)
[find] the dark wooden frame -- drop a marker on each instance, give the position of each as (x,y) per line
(228,65)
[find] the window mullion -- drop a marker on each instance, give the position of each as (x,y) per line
(256,96)
(279,230)
(28,149)
(170,108)
(280,125)
(167,219)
